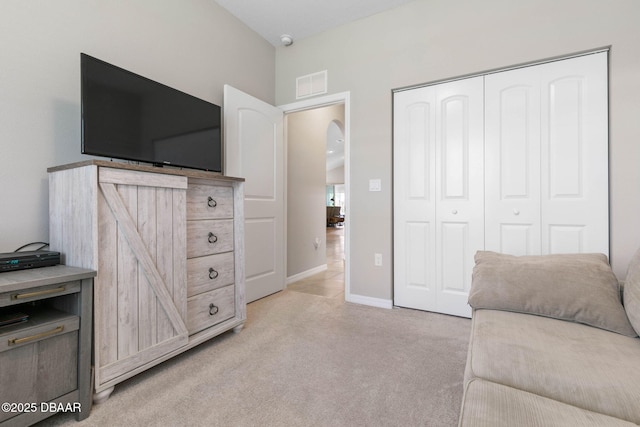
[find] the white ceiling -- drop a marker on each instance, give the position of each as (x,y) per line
(302,18)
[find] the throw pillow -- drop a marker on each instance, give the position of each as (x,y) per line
(574,287)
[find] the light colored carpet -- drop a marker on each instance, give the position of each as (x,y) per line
(304,360)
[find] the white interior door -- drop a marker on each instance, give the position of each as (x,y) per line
(254,150)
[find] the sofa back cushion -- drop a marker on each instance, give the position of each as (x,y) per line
(632,292)
(574,287)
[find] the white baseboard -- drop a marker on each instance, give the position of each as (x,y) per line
(374,302)
(305,274)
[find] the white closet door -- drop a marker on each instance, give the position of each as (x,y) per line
(438,194)
(512,162)
(575,174)
(547,158)
(459,191)
(414,198)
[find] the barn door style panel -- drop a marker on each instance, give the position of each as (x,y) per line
(438,168)
(143,251)
(547,158)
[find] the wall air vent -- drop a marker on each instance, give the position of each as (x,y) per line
(311,84)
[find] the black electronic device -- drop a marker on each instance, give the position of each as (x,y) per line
(28,259)
(12,317)
(127,116)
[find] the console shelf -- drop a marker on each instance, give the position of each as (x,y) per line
(45,361)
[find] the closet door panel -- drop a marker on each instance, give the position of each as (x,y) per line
(419,279)
(459,190)
(454,148)
(564,139)
(566,239)
(414,198)
(575,209)
(455,240)
(518,239)
(512,165)
(418,154)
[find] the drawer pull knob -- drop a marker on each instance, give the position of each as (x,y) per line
(211,202)
(212,238)
(213,309)
(54,331)
(213,274)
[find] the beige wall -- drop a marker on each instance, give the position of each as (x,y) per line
(194,46)
(306,186)
(428,40)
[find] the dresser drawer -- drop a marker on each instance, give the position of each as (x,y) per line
(209,272)
(205,201)
(209,237)
(210,308)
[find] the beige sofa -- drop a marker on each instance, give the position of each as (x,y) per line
(551,343)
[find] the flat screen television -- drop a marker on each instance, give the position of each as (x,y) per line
(130,117)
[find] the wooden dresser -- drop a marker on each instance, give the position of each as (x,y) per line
(168,248)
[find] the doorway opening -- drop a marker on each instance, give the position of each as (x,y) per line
(317,195)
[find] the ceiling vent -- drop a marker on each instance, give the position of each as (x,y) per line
(311,84)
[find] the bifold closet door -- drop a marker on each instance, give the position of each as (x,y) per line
(438,194)
(546,146)
(512,162)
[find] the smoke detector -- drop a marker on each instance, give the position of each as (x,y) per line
(286,39)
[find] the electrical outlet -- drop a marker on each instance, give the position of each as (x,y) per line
(377,260)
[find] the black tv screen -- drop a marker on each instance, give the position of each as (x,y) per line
(127,116)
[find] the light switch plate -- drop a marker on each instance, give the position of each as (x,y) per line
(375,185)
(377,260)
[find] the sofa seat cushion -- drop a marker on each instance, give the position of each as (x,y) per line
(487,404)
(573,363)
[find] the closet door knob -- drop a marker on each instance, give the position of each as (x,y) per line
(516,212)
(212,238)
(455,212)
(211,202)
(213,274)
